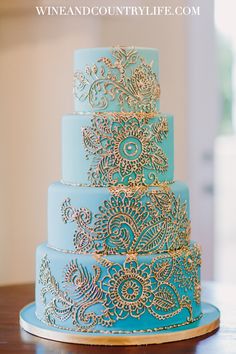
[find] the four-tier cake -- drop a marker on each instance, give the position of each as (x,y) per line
(118,266)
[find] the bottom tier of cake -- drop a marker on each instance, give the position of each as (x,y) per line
(117,293)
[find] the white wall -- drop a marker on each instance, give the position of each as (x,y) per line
(35,90)
(202,125)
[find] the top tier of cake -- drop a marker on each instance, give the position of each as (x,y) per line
(119,79)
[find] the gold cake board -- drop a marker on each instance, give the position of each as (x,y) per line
(209,321)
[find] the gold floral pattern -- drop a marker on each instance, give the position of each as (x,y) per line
(129,289)
(127,79)
(122,290)
(125,148)
(142,223)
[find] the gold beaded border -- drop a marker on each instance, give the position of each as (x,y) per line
(166,253)
(159,184)
(126,114)
(151,330)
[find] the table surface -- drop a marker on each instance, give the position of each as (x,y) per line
(14,340)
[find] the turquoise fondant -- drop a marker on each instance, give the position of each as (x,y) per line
(80,292)
(115,79)
(76,164)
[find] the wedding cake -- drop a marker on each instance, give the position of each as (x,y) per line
(118,266)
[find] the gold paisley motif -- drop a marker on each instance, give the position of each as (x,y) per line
(132,221)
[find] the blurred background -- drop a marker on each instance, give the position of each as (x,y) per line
(198,82)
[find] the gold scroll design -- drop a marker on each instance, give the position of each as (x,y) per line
(131,222)
(124,148)
(187,272)
(126,78)
(90,298)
